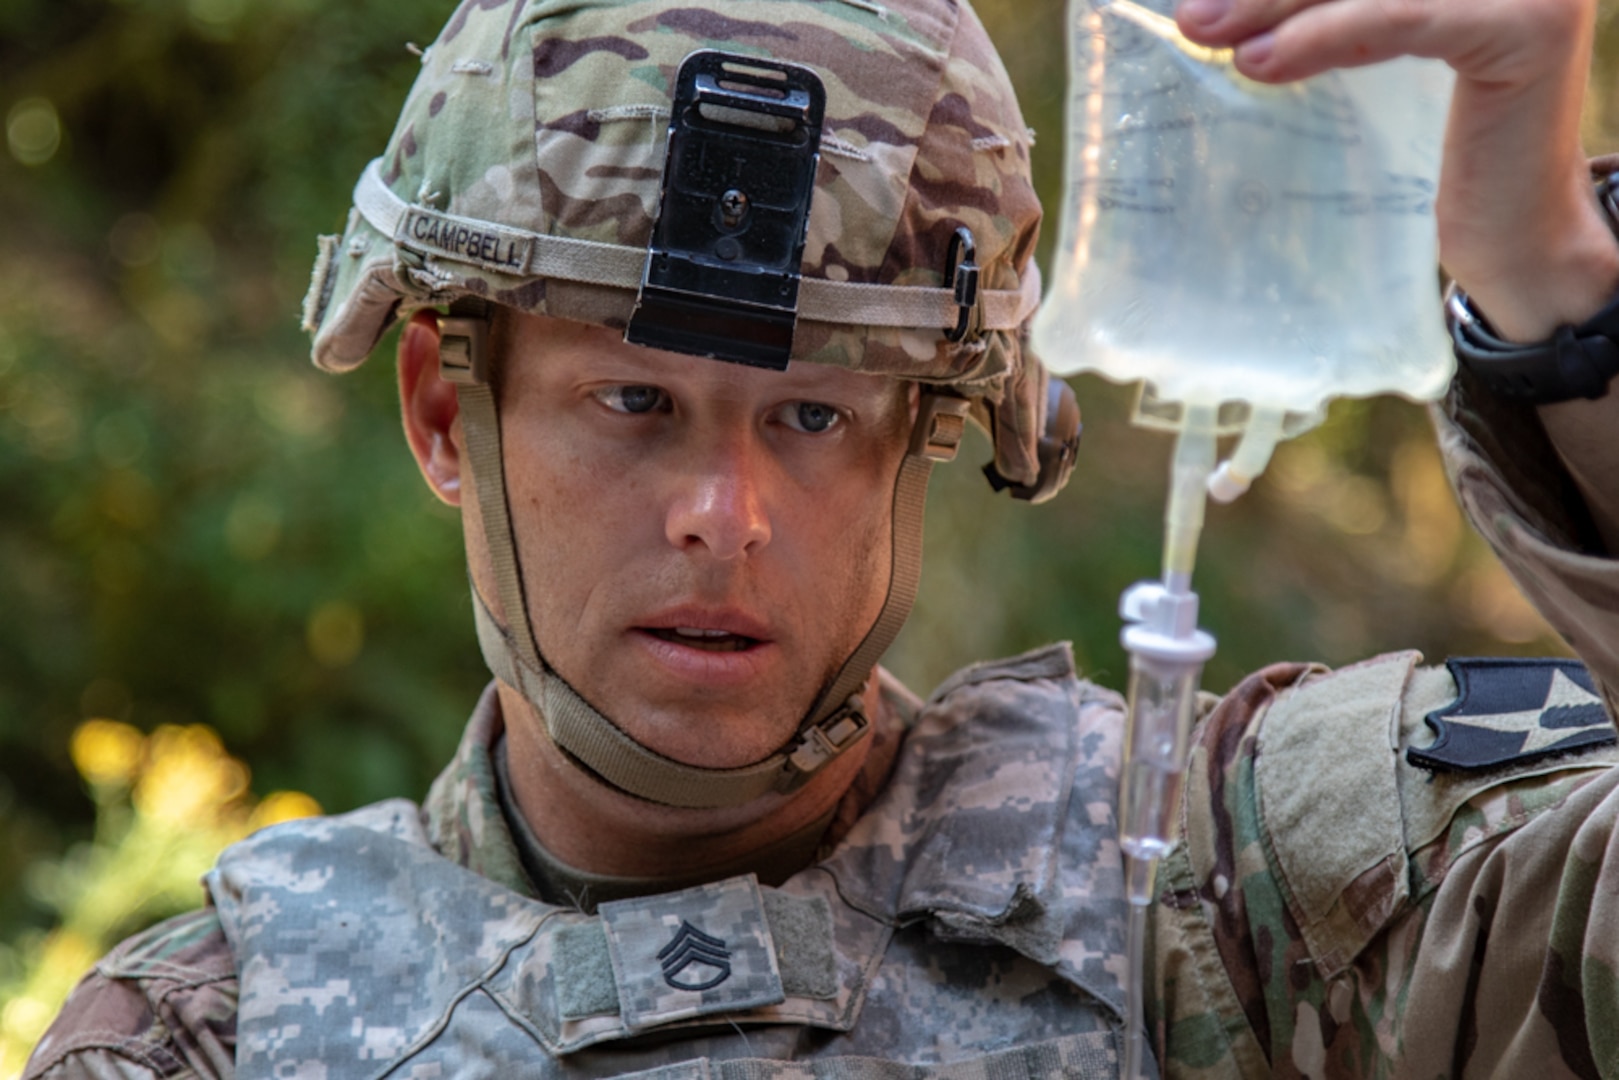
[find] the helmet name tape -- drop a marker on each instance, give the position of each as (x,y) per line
(722,268)
(475,242)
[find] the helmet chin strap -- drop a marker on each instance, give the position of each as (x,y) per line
(834,724)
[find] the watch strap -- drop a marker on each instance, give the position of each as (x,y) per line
(1574,362)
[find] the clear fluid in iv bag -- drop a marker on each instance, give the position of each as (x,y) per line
(1228,241)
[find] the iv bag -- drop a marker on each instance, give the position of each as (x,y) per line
(1231,243)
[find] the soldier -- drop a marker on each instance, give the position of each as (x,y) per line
(691,828)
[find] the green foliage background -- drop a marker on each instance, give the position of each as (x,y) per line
(195,526)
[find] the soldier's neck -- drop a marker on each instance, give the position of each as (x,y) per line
(557,882)
(589,826)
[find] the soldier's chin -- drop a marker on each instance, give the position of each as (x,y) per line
(711,735)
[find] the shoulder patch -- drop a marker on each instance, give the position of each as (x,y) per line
(1511,711)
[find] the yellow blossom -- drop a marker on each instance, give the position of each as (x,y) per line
(106,751)
(189,778)
(279,806)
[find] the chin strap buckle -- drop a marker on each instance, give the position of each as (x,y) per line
(825,741)
(941,421)
(463,344)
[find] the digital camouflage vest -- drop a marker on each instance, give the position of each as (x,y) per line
(971,925)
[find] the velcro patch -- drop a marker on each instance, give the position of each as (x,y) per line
(696,952)
(1514,711)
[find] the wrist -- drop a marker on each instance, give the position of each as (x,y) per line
(1570,274)
(1578,358)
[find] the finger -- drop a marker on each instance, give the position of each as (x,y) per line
(1485,40)
(1227,22)
(1343,33)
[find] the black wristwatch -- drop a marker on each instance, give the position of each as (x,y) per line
(1575,362)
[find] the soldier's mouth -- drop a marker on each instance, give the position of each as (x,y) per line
(706,640)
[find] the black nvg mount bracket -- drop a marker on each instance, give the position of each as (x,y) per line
(723,265)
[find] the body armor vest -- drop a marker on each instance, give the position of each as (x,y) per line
(970,925)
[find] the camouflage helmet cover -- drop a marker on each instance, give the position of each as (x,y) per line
(548,117)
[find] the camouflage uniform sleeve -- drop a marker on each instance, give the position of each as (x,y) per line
(1527,507)
(1335,911)
(162,1004)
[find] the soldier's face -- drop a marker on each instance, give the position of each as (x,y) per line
(702,543)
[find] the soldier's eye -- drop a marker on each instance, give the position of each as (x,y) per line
(633,399)
(811,417)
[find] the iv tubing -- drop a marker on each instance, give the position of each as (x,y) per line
(1253,453)
(1188,495)
(1134,1013)
(1178,655)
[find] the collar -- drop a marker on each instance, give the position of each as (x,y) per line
(471,821)
(556,882)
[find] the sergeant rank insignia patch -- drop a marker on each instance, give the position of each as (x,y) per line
(693,947)
(1512,712)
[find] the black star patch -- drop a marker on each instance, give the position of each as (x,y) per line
(1512,712)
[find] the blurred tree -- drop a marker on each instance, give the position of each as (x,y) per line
(197,527)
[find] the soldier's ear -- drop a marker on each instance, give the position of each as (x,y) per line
(429,408)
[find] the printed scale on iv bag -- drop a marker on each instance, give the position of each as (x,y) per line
(1246,253)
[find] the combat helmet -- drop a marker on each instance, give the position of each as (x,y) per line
(528,170)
